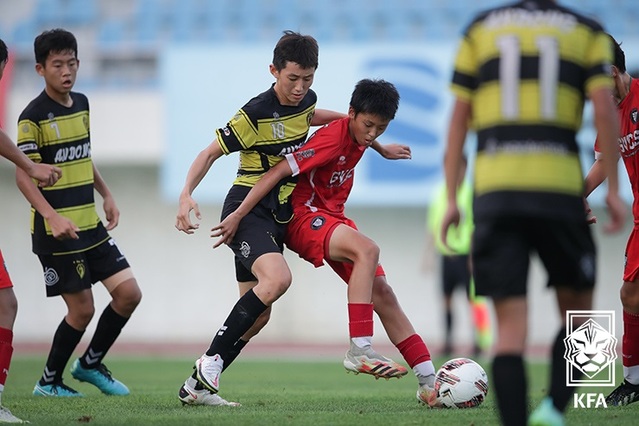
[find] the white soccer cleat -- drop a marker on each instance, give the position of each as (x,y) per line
(367,361)
(191,396)
(208,370)
(7,417)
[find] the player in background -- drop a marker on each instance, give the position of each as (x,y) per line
(455,266)
(522,74)
(46,175)
(320,232)
(68,237)
(626,95)
(269,126)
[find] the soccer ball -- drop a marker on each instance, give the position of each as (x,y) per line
(461,383)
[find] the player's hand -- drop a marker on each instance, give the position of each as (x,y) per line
(183,222)
(590,218)
(617,212)
(63,228)
(226,229)
(45,174)
(112,213)
(396,151)
(451,217)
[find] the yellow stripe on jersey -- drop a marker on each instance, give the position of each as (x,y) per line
(83,216)
(65,129)
(529,109)
(528,171)
(74,173)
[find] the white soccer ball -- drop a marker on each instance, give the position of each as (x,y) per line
(461,383)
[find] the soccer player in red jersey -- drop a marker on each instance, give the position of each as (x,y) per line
(626,94)
(46,175)
(320,232)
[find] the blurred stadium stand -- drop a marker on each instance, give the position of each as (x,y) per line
(123,38)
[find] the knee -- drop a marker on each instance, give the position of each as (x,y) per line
(383,294)
(126,297)
(81,316)
(629,295)
(370,251)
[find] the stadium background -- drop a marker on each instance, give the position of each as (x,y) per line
(161,75)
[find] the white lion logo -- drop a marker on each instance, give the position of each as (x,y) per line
(590,348)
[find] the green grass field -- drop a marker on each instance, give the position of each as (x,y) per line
(272,392)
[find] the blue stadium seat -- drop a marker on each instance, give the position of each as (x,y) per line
(81,12)
(23,35)
(111,34)
(48,12)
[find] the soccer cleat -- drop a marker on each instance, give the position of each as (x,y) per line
(100,377)
(7,417)
(426,395)
(367,361)
(208,370)
(191,396)
(626,393)
(546,414)
(56,389)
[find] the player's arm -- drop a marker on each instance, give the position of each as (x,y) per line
(458,128)
(392,151)
(606,121)
(62,228)
(595,177)
(199,168)
(45,174)
(325,116)
(227,228)
(111,211)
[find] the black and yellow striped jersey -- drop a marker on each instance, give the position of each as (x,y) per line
(264,131)
(526,70)
(51,133)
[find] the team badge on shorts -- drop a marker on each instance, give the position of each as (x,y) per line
(633,115)
(317,222)
(51,277)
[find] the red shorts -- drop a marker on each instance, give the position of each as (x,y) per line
(5,281)
(631,266)
(308,235)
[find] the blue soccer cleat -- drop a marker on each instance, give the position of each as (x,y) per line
(100,377)
(56,389)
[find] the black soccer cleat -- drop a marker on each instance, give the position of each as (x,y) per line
(626,393)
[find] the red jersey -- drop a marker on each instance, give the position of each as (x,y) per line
(629,141)
(326,165)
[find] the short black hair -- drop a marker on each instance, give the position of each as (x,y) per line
(54,41)
(378,97)
(4,52)
(620,56)
(298,48)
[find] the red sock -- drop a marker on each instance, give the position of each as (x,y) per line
(414,350)
(360,319)
(6,350)
(630,342)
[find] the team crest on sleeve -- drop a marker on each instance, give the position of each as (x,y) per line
(309,117)
(317,222)
(303,154)
(633,115)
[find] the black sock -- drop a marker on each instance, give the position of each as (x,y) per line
(109,327)
(559,392)
(509,382)
(233,353)
(240,320)
(65,340)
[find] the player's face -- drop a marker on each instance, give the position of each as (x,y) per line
(365,127)
(292,83)
(59,71)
